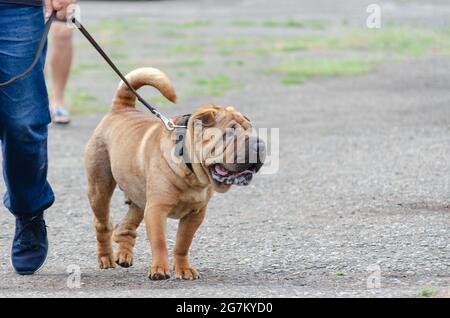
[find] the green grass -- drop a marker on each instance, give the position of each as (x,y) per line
(227,41)
(400,40)
(187,49)
(189,24)
(84,103)
(117,25)
(292,79)
(226,45)
(244,23)
(340,274)
(271,24)
(397,40)
(112,25)
(299,24)
(427,292)
(216,85)
(189,63)
(235,62)
(225,52)
(115,55)
(173,34)
(78,68)
(297,71)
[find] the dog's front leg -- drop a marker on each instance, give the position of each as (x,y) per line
(155,223)
(186,231)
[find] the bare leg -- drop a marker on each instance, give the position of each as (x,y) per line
(186,231)
(60,61)
(155,222)
(125,235)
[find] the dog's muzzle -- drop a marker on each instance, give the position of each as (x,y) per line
(245,165)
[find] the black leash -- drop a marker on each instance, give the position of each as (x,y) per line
(169,124)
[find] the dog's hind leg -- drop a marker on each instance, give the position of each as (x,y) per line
(125,235)
(101,185)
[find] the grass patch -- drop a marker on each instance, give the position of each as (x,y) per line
(427,292)
(244,23)
(189,63)
(292,45)
(227,46)
(235,62)
(296,72)
(225,52)
(292,79)
(231,41)
(118,55)
(84,104)
(399,40)
(188,49)
(190,24)
(340,274)
(271,24)
(173,34)
(112,25)
(216,85)
(78,68)
(117,25)
(299,24)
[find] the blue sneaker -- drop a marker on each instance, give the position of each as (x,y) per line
(30,245)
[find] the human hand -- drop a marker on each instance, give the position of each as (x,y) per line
(60,6)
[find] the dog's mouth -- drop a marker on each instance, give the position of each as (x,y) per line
(240,178)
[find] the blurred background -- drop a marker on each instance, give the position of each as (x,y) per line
(214,48)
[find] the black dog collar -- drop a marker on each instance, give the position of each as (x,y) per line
(180,141)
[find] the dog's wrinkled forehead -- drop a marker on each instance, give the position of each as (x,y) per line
(226,117)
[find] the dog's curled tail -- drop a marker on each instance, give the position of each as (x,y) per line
(139,77)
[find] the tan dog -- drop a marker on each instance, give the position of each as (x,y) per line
(135,151)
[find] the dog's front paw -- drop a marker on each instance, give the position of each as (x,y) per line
(186,272)
(124,259)
(106,261)
(159,272)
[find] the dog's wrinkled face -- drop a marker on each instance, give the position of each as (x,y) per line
(224,145)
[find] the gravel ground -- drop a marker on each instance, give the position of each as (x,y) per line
(363,185)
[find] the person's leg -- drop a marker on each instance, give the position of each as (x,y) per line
(24,117)
(60,62)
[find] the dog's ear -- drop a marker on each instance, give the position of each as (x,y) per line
(208,117)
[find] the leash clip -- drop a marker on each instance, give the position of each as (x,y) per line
(170,125)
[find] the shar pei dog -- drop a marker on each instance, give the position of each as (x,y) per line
(163,174)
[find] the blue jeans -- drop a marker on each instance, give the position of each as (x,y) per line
(24,112)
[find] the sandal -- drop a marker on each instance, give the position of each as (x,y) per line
(60,115)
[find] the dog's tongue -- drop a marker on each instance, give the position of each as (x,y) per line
(220,170)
